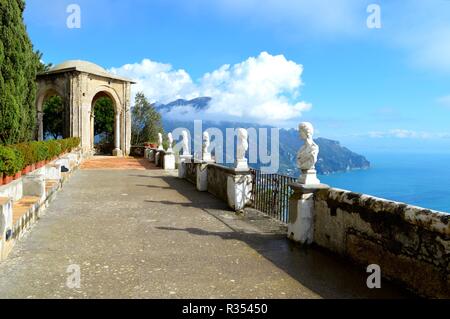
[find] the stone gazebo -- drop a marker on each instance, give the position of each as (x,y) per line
(80,84)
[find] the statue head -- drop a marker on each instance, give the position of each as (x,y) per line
(170,138)
(242,135)
(306,130)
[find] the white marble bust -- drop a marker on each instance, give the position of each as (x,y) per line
(242,143)
(205,150)
(160,141)
(308,154)
(186,150)
(170,138)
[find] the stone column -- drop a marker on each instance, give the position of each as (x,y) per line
(6,225)
(92,130)
(301,212)
(117,151)
(239,189)
(301,203)
(184,159)
(169,157)
(40,125)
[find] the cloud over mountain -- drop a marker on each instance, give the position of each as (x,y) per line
(264,89)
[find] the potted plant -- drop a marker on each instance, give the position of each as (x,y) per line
(41,153)
(18,164)
(9,167)
(28,154)
(151,145)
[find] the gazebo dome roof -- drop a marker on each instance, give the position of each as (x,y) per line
(79,65)
(86,67)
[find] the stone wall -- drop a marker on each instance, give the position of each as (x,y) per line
(410,244)
(191,172)
(218,180)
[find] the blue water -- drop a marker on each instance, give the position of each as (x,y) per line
(422,180)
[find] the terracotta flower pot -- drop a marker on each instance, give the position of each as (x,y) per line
(17,175)
(32,167)
(7,180)
(1,179)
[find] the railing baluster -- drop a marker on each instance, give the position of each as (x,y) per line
(270,194)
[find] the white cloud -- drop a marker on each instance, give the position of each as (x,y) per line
(264,89)
(159,81)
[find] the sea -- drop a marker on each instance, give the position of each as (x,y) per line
(418,179)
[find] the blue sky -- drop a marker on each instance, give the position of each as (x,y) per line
(382,89)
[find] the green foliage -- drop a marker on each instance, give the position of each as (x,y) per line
(73,143)
(53,118)
(54,149)
(104,123)
(146,122)
(27,152)
(18,68)
(11,161)
(15,158)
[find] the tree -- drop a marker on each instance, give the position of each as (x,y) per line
(146,121)
(18,67)
(53,119)
(104,119)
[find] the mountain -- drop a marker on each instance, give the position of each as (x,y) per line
(199,104)
(332,156)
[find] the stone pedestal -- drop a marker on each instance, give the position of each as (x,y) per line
(158,159)
(206,157)
(169,161)
(182,165)
(6,220)
(147,153)
(202,176)
(239,189)
(53,171)
(64,162)
(301,212)
(152,155)
(117,152)
(309,177)
(241,165)
(34,185)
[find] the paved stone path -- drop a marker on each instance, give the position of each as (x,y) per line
(147,234)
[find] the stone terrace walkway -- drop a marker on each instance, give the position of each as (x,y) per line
(147,234)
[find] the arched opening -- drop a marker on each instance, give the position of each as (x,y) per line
(103,116)
(53,116)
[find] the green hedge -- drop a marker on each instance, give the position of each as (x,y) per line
(15,158)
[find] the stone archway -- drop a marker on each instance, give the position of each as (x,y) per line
(78,83)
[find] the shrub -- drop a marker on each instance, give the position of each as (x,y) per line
(11,161)
(40,150)
(73,142)
(54,149)
(64,145)
(27,152)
